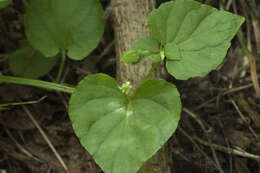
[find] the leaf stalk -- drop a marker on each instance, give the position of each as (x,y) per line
(37,83)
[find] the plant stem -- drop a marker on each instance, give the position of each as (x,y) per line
(154,67)
(21,103)
(251,58)
(63,59)
(37,83)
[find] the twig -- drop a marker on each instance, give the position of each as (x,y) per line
(255,16)
(10,150)
(45,137)
(253,72)
(20,146)
(107,49)
(245,10)
(194,116)
(256,26)
(223,94)
(228,5)
(227,143)
(196,145)
(243,118)
(22,103)
(228,150)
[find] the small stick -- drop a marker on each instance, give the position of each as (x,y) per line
(45,137)
(243,118)
(107,49)
(20,146)
(197,146)
(228,150)
(251,58)
(223,94)
(194,116)
(22,103)
(228,4)
(228,145)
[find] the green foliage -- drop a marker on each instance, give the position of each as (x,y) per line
(121,131)
(73,25)
(27,62)
(143,48)
(5,3)
(193,37)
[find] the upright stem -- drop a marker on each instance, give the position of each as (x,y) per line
(130,23)
(251,58)
(37,83)
(154,67)
(63,59)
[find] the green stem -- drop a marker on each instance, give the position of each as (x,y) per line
(254,13)
(243,44)
(63,59)
(154,67)
(37,83)
(21,103)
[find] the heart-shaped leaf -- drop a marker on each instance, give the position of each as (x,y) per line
(195,37)
(73,25)
(121,132)
(29,63)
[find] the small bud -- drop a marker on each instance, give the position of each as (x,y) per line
(126,87)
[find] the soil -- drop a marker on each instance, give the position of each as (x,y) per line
(219,129)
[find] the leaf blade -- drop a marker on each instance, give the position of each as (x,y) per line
(144,48)
(76,26)
(190,29)
(30,63)
(126,131)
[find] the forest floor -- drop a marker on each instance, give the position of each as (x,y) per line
(219,129)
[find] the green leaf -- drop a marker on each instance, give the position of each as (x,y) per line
(144,48)
(137,56)
(73,25)
(5,3)
(132,56)
(172,51)
(29,63)
(121,132)
(146,43)
(195,36)
(155,58)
